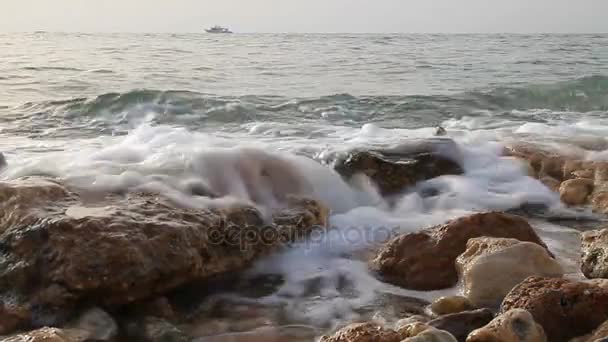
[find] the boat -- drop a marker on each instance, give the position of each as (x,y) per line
(218,29)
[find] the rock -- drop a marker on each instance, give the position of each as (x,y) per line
(576,191)
(99,324)
(47,334)
(551,183)
(491,267)
(594,262)
(288,333)
(516,325)
(600,334)
(462,323)
(451,304)
(564,308)
(2,161)
(395,169)
(411,329)
(425,260)
(154,329)
(58,252)
(363,332)
(432,335)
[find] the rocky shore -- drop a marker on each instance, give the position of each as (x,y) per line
(137,267)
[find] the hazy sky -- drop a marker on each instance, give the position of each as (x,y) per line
(305,15)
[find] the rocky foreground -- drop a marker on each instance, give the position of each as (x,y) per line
(131,267)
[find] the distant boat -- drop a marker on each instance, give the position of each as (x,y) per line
(218,29)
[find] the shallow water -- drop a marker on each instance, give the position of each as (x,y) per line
(118,111)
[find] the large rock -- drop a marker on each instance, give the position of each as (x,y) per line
(58,252)
(462,323)
(594,262)
(425,260)
(450,304)
(491,267)
(576,191)
(47,334)
(516,325)
(396,169)
(363,332)
(564,308)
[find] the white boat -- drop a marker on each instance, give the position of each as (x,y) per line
(218,29)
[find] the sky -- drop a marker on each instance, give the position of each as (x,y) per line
(356,16)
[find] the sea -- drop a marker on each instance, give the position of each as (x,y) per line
(148,111)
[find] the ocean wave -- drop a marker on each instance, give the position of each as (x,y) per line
(120,111)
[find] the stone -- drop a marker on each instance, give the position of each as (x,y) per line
(424,260)
(3,163)
(59,252)
(363,332)
(47,334)
(564,308)
(515,325)
(462,323)
(451,304)
(288,333)
(551,183)
(575,191)
(99,324)
(411,329)
(154,329)
(594,245)
(432,335)
(393,170)
(491,267)
(600,334)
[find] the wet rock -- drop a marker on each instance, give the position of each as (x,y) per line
(594,262)
(491,267)
(363,332)
(411,329)
(2,161)
(425,260)
(551,183)
(432,335)
(516,325)
(47,334)
(576,191)
(154,329)
(600,334)
(58,252)
(395,169)
(289,333)
(451,304)
(99,324)
(564,308)
(462,323)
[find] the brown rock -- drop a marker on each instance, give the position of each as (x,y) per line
(594,262)
(600,334)
(47,334)
(512,326)
(451,304)
(461,324)
(564,308)
(491,267)
(551,183)
(432,335)
(363,332)
(396,169)
(576,191)
(425,260)
(58,253)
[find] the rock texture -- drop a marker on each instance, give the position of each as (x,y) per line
(396,169)
(516,325)
(576,191)
(491,267)
(47,334)
(432,335)
(594,262)
(600,334)
(564,308)
(450,304)
(425,260)
(58,251)
(461,324)
(363,332)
